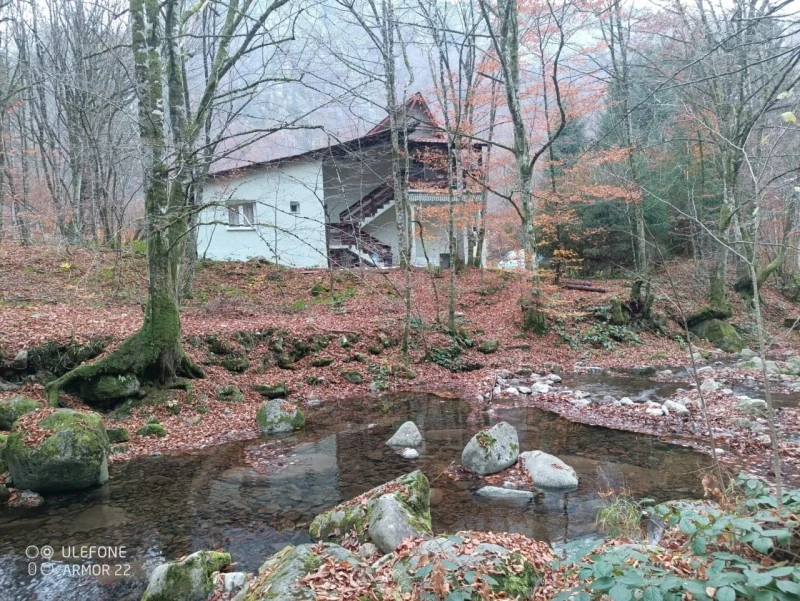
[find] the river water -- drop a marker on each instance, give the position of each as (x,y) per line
(157,508)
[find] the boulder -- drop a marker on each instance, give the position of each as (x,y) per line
(540,388)
(709,385)
(189,580)
(492,450)
(751,406)
(106,388)
(747,354)
(390,522)
(407,435)
(152,429)
(410,504)
(548,471)
(469,553)
(13,408)
(280,577)
(353,377)
(719,333)
(277,416)
(117,435)
(73,456)
(230,394)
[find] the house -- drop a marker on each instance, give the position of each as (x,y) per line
(335,206)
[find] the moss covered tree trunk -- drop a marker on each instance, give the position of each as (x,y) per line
(154,353)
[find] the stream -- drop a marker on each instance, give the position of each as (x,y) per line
(163,507)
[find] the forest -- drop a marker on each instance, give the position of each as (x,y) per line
(399,300)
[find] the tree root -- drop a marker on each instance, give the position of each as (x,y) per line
(142,355)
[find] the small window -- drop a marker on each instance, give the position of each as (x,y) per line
(294,207)
(241,215)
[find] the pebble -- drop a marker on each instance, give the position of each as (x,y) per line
(410,454)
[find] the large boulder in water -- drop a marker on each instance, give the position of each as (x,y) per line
(548,471)
(72,455)
(189,580)
(721,334)
(407,435)
(384,515)
(491,451)
(13,408)
(280,577)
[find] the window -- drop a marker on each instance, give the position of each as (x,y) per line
(294,207)
(242,215)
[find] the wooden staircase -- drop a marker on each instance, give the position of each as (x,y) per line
(362,248)
(369,205)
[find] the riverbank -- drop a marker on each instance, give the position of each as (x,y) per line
(330,336)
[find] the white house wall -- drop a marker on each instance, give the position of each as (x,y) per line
(292,239)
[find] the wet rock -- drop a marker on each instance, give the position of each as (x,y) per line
(189,580)
(675,407)
(503,494)
(593,369)
(664,373)
(278,416)
(548,471)
(104,389)
(74,456)
(540,388)
(281,575)
(492,450)
(410,454)
(412,491)
(524,390)
(13,408)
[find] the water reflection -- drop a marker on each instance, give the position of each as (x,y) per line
(167,507)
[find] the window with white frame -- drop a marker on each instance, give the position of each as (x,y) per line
(241,214)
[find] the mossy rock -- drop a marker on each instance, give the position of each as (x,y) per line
(104,389)
(706,313)
(280,577)
(236,364)
(152,430)
(488,347)
(412,490)
(277,416)
(275,391)
(359,357)
(375,349)
(189,580)
(315,380)
(321,361)
(721,334)
(13,408)
(117,435)
(402,371)
(230,394)
(219,347)
(353,377)
(74,456)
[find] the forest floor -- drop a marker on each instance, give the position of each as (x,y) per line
(68,294)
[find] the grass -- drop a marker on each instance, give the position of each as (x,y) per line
(621,517)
